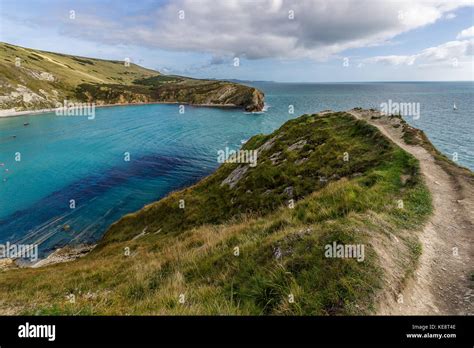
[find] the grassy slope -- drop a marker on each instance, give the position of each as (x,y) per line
(105,82)
(191,251)
(68,71)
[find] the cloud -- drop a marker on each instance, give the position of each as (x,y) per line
(262,28)
(452,53)
(393,60)
(466,33)
(450,16)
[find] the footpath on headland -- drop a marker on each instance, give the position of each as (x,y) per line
(440,284)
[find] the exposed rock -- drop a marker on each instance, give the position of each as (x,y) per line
(25,95)
(41,75)
(6,263)
(141,234)
(113,84)
(277,254)
(65,254)
(298,145)
(288,191)
(267,145)
(210,93)
(256,102)
(301,160)
(234,177)
(274,158)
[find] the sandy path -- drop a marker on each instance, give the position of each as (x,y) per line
(440,284)
(66,67)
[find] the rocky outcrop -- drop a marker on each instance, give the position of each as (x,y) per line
(66,254)
(211,93)
(252,99)
(186,91)
(234,177)
(41,79)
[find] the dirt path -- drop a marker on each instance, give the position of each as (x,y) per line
(66,67)
(441,283)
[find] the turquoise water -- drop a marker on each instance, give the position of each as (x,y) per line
(74,158)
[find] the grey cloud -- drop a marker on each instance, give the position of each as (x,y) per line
(261,28)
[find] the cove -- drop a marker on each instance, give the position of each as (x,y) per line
(76,158)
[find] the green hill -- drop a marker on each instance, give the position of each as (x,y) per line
(34,79)
(254,239)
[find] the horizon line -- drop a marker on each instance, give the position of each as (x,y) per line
(235,79)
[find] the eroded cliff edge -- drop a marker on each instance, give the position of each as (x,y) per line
(32,79)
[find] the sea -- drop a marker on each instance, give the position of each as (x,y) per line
(65,179)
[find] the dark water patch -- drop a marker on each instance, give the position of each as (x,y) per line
(52,223)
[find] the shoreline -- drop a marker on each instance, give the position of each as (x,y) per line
(428,289)
(4,113)
(53,257)
(64,254)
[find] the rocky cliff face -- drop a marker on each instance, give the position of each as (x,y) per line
(32,79)
(195,92)
(212,93)
(252,100)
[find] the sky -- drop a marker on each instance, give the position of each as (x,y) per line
(273,40)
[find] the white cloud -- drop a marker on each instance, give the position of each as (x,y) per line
(262,28)
(466,33)
(452,53)
(393,60)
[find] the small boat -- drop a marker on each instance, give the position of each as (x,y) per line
(26,123)
(454,106)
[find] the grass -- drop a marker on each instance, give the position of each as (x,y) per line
(106,82)
(192,251)
(168,89)
(414,136)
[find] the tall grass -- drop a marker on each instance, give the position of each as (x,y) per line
(280,267)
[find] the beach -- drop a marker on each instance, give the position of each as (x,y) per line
(13,113)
